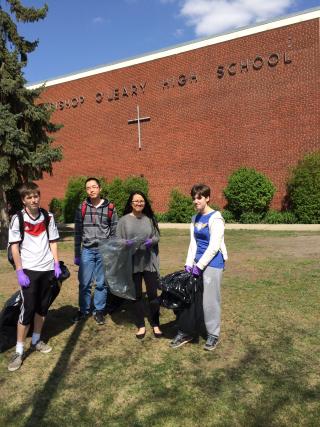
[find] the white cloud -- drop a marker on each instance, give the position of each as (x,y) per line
(215,16)
(179,33)
(98,20)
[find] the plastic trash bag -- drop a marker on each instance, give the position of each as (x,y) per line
(117,258)
(177,290)
(11,310)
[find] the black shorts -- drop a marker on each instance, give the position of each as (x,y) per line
(37,297)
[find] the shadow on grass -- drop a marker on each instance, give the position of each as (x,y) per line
(42,399)
(268,387)
(56,322)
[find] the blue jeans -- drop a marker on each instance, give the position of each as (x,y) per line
(91,269)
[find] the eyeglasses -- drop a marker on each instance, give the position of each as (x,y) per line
(94,187)
(138,202)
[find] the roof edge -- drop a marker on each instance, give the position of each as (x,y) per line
(185,47)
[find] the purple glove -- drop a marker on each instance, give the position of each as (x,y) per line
(76,260)
(187,268)
(148,243)
(23,279)
(57,270)
(196,272)
(129,242)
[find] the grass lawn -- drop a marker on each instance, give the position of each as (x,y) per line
(265,372)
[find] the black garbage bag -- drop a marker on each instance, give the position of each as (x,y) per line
(177,290)
(11,310)
(183,293)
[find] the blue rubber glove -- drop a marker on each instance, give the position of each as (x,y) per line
(76,260)
(129,242)
(196,272)
(188,269)
(57,270)
(23,279)
(148,243)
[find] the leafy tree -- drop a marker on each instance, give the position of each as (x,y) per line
(25,143)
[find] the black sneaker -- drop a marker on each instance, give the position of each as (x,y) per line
(80,316)
(99,318)
(180,340)
(211,343)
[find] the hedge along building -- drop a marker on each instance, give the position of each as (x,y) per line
(194,113)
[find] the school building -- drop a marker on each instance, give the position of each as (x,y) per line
(195,112)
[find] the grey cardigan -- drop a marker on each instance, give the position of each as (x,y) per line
(129,227)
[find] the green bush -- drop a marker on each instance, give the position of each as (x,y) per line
(248,191)
(56,208)
(228,216)
(161,216)
(76,193)
(180,207)
(119,190)
(251,218)
(304,189)
(276,217)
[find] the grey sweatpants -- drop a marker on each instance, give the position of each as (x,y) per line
(212,279)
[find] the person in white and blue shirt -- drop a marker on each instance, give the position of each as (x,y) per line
(206,256)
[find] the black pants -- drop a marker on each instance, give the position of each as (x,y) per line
(36,298)
(151,281)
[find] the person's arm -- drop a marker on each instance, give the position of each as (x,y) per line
(216,228)
(54,250)
(78,227)
(192,247)
(114,222)
(15,248)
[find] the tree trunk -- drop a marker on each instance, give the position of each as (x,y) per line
(4,220)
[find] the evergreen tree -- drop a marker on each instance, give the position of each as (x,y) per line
(26,149)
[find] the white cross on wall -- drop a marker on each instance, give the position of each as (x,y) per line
(139,120)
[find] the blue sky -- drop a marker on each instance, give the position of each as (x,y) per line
(81,34)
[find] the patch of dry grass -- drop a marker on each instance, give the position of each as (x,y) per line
(265,372)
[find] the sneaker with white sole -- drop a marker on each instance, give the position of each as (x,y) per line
(180,340)
(42,347)
(15,362)
(211,343)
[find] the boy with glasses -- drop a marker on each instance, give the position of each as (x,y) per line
(92,226)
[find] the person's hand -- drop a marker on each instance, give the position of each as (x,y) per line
(196,272)
(76,260)
(188,268)
(23,279)
(148,243)
(129,242)
(57,270)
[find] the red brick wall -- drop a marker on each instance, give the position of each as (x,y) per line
(202,131)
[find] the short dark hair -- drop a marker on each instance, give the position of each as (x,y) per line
(200,190)
(92,179)
(28,188)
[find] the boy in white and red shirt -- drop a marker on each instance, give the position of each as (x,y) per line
(35,256)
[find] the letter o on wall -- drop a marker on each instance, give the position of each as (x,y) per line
(257,63)
(99,97)
(74,102)
(273,59)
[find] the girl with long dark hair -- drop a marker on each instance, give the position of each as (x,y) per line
(139,222)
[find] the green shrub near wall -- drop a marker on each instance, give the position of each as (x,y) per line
(248,193)
(304,189)
(56,208)
(180,207)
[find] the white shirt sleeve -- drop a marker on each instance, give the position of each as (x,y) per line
(14,230)
(216,229)
(192,246)
(53,230)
